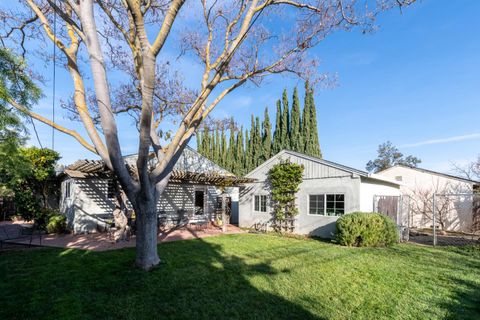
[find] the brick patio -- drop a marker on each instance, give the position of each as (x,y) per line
(101,241)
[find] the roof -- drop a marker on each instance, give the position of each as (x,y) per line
(431,172)
(190,168)
(332,164)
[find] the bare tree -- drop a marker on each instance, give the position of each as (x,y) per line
(422,202)
(470,171)
(235,42)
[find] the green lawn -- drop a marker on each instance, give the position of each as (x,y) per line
(244,276)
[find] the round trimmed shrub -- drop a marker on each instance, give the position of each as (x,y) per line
(366,229)
(56,224)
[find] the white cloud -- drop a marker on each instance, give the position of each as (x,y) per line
(442,140)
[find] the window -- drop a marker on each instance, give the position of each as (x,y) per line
(68,186)
(260,203)
(111,189)
(327,204)
(398,178)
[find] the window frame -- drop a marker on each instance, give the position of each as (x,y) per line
(324,214)
(260,197)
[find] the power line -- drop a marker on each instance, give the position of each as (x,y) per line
(54,71)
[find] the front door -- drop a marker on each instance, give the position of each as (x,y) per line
(199,202)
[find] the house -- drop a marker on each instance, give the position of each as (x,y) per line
(328,190)
(455,201)
(88,193)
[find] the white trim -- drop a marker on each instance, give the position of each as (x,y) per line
(325,204)
(267,207)
(205,200)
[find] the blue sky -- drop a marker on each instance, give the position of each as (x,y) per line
(414,81)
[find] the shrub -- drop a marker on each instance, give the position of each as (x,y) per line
(56,224)
(366,229)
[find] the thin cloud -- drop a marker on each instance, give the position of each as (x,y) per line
(443,140)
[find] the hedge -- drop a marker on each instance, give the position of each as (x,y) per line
(366,229)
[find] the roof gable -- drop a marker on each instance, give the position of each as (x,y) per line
(313,166)
(448,176)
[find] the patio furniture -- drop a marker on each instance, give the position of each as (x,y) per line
(15,233)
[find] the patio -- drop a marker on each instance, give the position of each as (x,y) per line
(102,242)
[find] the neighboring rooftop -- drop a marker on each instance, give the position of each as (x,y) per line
(433,172)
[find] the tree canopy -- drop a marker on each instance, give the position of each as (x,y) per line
(389,156)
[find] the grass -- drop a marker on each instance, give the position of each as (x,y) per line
(244,276)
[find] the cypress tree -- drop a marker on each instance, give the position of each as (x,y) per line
(223,149)
(239,154)
(306,121)
(216,147)
(277,135)
(296,141)
(285,140)
(252,143)
(248,152)
(230,162)
(267,137)
(258,147)
(315,145)
(199,142)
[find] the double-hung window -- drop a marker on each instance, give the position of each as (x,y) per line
(327,204)
(260,203)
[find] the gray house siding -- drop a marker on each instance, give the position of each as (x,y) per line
(319,177)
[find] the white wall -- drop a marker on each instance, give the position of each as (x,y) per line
(370,188)
(459,216)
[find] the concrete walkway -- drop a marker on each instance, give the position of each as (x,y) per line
(101,242)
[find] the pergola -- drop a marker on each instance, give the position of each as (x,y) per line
(83,169)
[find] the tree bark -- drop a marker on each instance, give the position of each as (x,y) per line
(146,231)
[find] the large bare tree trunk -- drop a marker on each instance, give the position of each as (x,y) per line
(146,233)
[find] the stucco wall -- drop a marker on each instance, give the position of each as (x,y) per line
(416,182)
(370,188)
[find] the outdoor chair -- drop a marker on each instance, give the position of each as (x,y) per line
(13,233)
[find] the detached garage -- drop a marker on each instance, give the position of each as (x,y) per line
(328,191)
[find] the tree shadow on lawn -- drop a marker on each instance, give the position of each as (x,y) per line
(196,281)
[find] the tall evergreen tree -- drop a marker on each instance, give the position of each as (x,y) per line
(315,145)
(277,135)
(296,141)
(248,152)
(266,137)
(199,142)
(239,154)
(258,147)
(285,139)
(216,147)
(306,121)
(230,162)
(223,149)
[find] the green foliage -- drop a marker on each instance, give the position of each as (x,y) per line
(285,178)
(266,137)
(389,156)
(26,204)
(277,143)
(296,139)
(246,150)
(285,121)
(15,84)
(366,229)
(56,224)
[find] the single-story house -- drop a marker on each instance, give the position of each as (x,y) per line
(194,189)
(457,202)
(328,190)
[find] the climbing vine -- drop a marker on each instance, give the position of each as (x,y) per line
(285,178)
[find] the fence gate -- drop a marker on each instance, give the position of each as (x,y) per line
(397,208)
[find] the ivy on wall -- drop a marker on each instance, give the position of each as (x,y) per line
(285,179)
